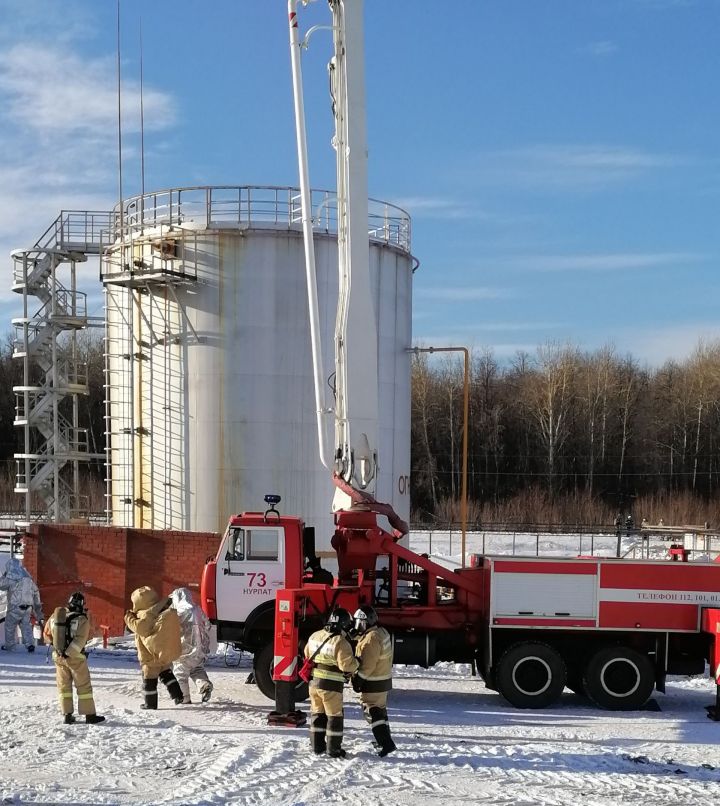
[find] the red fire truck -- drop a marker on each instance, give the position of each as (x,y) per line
(610,629)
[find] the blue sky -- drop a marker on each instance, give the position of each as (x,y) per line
(560,158)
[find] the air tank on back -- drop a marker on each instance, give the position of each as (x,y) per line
(210,401)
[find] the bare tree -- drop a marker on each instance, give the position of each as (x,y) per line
(424,413)
(549,400)
(595,389)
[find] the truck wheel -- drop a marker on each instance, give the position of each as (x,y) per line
(619,678)
(262,667)
(530,675)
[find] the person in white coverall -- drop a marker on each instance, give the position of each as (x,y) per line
(195,641)
(23,601)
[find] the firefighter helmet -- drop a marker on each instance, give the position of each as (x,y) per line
(339,621)
(365,617)
(76,603)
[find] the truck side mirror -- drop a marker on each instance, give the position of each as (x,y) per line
(232,549)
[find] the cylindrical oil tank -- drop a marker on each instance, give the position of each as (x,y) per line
(209,384)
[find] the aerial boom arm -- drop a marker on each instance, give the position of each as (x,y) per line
(356,364)
(356,421)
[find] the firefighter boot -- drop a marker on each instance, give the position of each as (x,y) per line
(68,719)
(368,719)
(168,679)
(318,724)
(150,693)
(94,719)
(381,731)
(334,735)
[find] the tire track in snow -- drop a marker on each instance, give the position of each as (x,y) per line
(285,771)
(527,773)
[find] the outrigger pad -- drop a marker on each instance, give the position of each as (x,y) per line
(292,719)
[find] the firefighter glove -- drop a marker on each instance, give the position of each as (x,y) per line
(356,681)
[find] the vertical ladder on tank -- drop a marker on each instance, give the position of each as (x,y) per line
(119,381)
(168,322)
(54,445)
(147,332)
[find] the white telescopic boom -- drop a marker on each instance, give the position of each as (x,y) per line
(306,211)
(356,411)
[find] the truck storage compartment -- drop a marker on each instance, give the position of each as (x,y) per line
(417,649)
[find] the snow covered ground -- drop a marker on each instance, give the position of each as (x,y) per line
(457,743)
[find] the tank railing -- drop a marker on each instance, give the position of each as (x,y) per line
(179,266)
(248,205)
(83,229)
(79,229)
(71,304)
(63,303)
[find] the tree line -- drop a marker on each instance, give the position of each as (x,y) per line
(560,435)
(568,435)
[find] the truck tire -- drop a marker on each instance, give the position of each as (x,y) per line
(262,667)
(619,678)
(530,675)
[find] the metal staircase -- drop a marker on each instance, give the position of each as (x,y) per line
(54,445)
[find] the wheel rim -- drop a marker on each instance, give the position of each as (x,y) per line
(620,677)
(532,676)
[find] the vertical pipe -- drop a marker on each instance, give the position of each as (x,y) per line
(142,138)
(306,204)
(466,420)
(130,403)
(73,377)
(119,125)
(55,411)
(108,435)
(26,384)
(142,135)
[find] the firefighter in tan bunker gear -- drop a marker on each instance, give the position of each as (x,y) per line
(334,660)
(373,679)
(68,630)
(157,637)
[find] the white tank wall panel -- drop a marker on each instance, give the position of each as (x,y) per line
(223,407)
(118,380)
(390,270)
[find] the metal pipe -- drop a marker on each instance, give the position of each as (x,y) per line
(466,417)
(321,408)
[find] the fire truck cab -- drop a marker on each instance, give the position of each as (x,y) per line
(259,554)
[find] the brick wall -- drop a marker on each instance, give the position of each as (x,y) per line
(107,563)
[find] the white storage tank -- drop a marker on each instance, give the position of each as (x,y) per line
(209,371)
